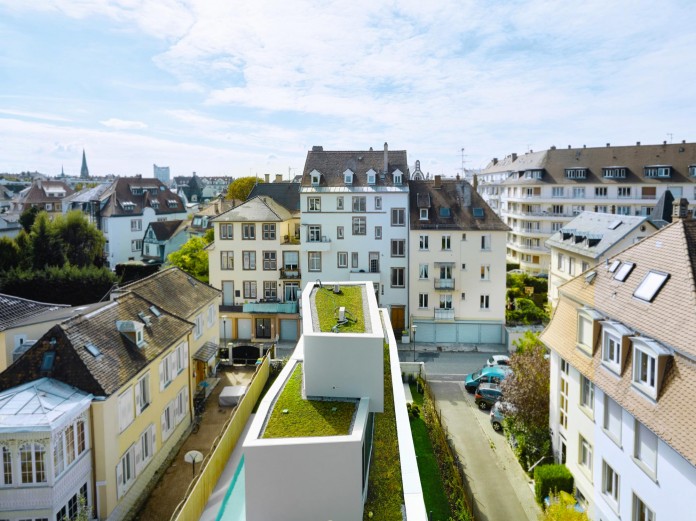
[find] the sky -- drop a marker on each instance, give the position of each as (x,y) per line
(247,87)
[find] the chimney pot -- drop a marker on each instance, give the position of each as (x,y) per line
(514,156)
(279,178)
(637,143)
(553,147)
(664,142)
(267,177)
(584,146)
(495,160)
(568,147)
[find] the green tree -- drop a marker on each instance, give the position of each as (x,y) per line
(83,243)
(9,254)
(192,258)
(561,508)
(46,244)
(23,241)
(241,188)
(27,218)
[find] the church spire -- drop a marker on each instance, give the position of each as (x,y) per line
(84,171)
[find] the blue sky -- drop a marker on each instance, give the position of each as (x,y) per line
(247,87)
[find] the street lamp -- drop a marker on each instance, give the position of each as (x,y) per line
(224,330)
(413,330)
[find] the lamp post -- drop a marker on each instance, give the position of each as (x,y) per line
(224,330)
(413,330)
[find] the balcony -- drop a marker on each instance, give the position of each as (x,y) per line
(444,314)
(444,283)
(290,273)
(270,307)
(362,275)
(290,239)
(319,244)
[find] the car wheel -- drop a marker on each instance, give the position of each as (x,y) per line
(497,426)
(483,405)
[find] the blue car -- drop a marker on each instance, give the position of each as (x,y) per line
(491,375)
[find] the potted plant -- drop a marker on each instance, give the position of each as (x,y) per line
(405,339)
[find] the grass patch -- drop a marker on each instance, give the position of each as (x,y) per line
(327,304)
(428,469)
(307,417)
(385,491)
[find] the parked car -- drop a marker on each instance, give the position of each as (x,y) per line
(487,395)
(496,360)
(497,415)
(493,375)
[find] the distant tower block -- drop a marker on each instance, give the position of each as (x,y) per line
(161,173)
(84,171)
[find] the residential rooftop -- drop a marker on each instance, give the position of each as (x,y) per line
(327,316)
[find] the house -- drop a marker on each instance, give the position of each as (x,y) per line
(457,257)
(162,238)
(45,450)
(544,190)
(255,261)
(202,219)
(589,239)
(42,194)
(9,225)
(334,384)
(354,207)
(622,377)
(132,357)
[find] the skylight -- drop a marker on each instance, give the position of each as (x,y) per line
(615,224)
(93,350)
(651,285)
(445,212)
(155,311)
(478,213)
(624,271)
(47,361)
(614,265)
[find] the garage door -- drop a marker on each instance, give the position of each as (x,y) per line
(491,334)
(244,328)
(288,329)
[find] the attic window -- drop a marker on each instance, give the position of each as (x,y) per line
(155,311)
(567,233)
(593,239)
(136,190)
(49,357)
(348,177)
(93,350)
(649,359)
(692,170)
(445,213)
(128,205)
(614,172)
(624,271)
(533,174)
(316,178)
(651,285)
(614,265)
(398,178)
(371,177)
(478,213)
(154,204)
(658,171)
(423,214)
(171,203)
(576,173)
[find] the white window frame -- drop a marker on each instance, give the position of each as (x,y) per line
(226,231)
(585,455)
(612,424)
(142,393)
(126,409)
(378,233)
(342,259)
(198,328)
(644,374)
(641,512)
(611,485)
(145,448)
(398,217)
(423,243)
(125,471)
(586,393)
(398,247)
(314,204)
(313,261)
(422,301)
(446,242)
(339,203)
(485,302)
(486,242)
(378,203)
(485,272)
(645,449)
(423,270)
(359,203)
(248,232)
(398,277)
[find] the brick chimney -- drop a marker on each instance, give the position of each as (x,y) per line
(438,181)
(279,178)
(680,209)
(386,158)
(267,177)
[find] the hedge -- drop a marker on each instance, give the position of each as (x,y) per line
(551,478)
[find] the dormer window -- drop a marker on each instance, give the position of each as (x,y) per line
(614,345)
(587,328)
(692,170)
(649,362)
(576,173)
(348,177)
(315,177)
(614,172)
(371,177)
(128,206)
(398,177)
(658,171)
(136,190)
(154,204)
(171,203)
(533,174)
(423,214)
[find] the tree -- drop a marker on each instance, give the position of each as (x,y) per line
(27,218)
(241,188)
(83,243)
(46,244)
(9,254)
(561,508)
(524,308)
(192,258)
(23,242)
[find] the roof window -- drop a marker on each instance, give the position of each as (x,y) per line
(651,285)
(348,177)
(478,213)
(445,213)
(533,174)
(155,311)
(93,350)
(614,265)
(624,271)
(613,225)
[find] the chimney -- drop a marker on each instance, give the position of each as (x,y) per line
(637,143)
(569,147)
(438,181)
(39,182)
(680,209)
(267,177)
(475,183)
(495,160)
(664,142)
(386,158)
(217,208)
(553,147)
(317,148)
(613,209)
(514,156)
(608,145)
(279,178)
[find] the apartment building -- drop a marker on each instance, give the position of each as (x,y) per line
(622,373)
(457,257)
(546,189)
(44,195)
(354,206)
(589,239)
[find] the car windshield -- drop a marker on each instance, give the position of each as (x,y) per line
(476,375)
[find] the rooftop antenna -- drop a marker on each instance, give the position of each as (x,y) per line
(463,161)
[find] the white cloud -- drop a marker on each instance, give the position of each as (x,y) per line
(122,124)
(33,115)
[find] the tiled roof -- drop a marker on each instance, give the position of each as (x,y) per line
(459,198)
(258,209)
(174,291)
(287,194)
(120,193)
(164,229)
(206,352)
(38,192)
(670,319)
(332,164)
(118,361)
(15,309)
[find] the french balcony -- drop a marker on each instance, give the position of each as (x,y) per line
(444,283)
(290,273)
(444,314)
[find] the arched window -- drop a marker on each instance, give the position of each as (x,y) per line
(5,465)
(32,458)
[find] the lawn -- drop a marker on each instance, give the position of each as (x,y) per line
(304,418)
(431,480)
(327,303)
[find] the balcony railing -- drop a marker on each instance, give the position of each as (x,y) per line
(270,307)
(444,283)
(291,239)
(289,273)
(444,314)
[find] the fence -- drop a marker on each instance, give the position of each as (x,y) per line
(201,488)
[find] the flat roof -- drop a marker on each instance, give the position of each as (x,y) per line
(327,316)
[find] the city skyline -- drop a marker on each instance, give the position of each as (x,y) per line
(248,89)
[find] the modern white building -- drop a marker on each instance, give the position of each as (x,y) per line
(354,207)
(545,190)
(457,264)
(622,373)
(589,239)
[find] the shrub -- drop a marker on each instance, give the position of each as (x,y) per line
(551,478)
(413,410)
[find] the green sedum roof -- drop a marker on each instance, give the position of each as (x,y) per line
(327,303)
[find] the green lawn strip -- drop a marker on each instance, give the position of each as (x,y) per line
(428,469)
(327,303)
(307,417)
(385,492)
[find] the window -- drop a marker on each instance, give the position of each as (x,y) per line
(32,462)
(314,260)
(485,272)
(640,511)
(557,209)
(359,226)
(486,241)
(197,330)
(342,259)
(269,290)
(398,217)
(316,178)
(612,419)
(269,231)
(644,369)
(645,447)
(378,203)
(578,192)
(557,191)
(614,172)
(359,203)
(576,173)
(423,214)
(446,242)
(423,242)
(291,260)
(658,171)
(125,471)
(314,204)
(651,285)
(571,266)
(6,462)
(559,262)
(423,271)
(270,261)
(374,262)
(446,301)
(249,288)
(485,302)
(585,266)
(586,393)
(585,455)
(398,278)
(339,203)
(623,210)
(226,260)
(556,226)
(145,447)
(142,393)
(378,232)
(137,245)
(314,233)
(126,412)
(398,248)
(585,333)
(610,484)
(600,191)
(611,351)
(248,260)
(354,260)
(624,191)
(136,225)
(291,291)
(248,232)
(371,176)
(563,395)
(339,232)
(181,405)
(348,177)
(422,300)
(226,231)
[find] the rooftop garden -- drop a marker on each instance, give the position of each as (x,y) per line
(327,304)
(296,417)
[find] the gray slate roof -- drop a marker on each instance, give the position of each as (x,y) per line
(15,309)
(286,194)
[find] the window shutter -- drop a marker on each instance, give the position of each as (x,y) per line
(163,423)
(138,456)
(138,409)
(153,438)
(186,354)
(186,402)
(161,374)
(119,479)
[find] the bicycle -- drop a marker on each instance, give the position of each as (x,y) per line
(197,423)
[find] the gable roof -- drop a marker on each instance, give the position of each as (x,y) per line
(164,229)
(39,192)
(16,309)
(286,194)
(154,194)
(258,209)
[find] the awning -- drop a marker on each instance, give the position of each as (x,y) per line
(207,352)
